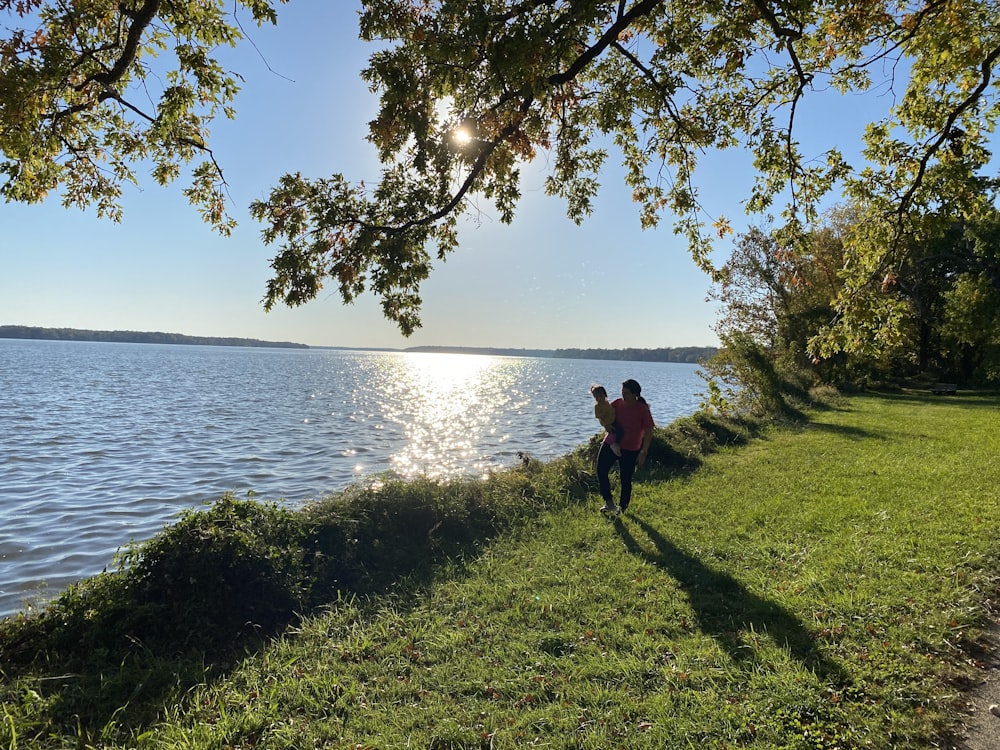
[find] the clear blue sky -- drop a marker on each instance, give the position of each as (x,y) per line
(542,282)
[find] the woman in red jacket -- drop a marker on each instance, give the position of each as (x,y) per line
(633,415)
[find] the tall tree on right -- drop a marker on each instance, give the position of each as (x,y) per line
(779,303)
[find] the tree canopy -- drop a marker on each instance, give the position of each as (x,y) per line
(83,102)
(471,91)
(775,305)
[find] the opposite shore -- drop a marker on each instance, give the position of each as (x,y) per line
(683,354)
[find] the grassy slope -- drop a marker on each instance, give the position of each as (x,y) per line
(810,590)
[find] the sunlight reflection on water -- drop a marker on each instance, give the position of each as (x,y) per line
(105,443)
(444,403)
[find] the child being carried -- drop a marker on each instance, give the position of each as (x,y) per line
(605,414)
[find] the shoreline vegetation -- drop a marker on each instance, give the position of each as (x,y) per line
(684,354)
(819,583)
(135,337)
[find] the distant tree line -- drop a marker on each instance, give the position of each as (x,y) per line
(690,354)
(488,351)
(133,337)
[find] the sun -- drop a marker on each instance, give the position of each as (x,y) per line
(461,136)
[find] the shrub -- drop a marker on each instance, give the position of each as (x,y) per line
(368,535)
(745,378)
(237,565)
(687,439)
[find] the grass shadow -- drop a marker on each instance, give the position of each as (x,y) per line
(845,431)
(976,399)
(725,608)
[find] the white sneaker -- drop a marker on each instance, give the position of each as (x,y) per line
(609,509)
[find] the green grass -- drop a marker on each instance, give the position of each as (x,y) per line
(821,586)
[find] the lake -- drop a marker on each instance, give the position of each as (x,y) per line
(102,444)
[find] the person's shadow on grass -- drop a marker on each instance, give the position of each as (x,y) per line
(724,607)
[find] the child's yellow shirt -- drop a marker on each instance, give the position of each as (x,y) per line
(605,413)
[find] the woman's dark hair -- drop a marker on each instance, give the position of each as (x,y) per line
(635,388)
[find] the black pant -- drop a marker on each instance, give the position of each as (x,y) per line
(606,458)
